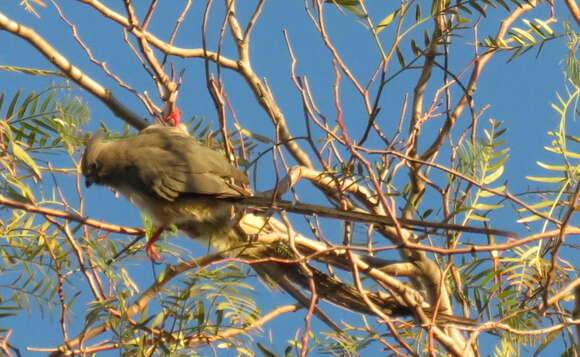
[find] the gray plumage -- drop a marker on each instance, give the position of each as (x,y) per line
(162,162)
(166,173)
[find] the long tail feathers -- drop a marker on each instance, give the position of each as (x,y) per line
(295,279)
(289,276)
(309,209)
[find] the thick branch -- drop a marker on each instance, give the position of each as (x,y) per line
(574,10)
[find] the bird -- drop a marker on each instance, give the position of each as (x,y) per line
(178,181)
(169,176)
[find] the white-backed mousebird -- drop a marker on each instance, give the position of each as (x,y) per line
(166,173)
(176,180)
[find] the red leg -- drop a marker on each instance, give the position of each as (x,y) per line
(150,248)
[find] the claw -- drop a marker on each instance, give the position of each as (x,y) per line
(152,252)
(150,247)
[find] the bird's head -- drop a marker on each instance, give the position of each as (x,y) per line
(91,166)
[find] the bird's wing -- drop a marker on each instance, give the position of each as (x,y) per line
(172,164)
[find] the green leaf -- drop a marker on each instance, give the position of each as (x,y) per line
(25,194)
(477,7)
(417,13)
(427,213)
(524,34)
(23,156)
(426,39)
(387,20)
(518,40)
(569,154)
(199,314)
(490,3)
(477,217)
(500,162)
(494,176)
(498,143)
(25,103)
(528,219)
(400,57)
(462,7)
(490,194)
(344,2)
(12,105)
(503,4)
(244,352)
(354,9)
(537,29)
(260,138)
(463,20)
(486,207)
(47,101)
(544,26)
(545,179)
(542,204)
(551,167)
(415,48)
(7,314)
(265,351)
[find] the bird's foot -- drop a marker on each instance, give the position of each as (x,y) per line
(152,252)
(150,247)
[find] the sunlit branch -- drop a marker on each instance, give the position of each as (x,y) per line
(70,216)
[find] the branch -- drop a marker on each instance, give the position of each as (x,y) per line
(261,91)
(92,58)
(141,302)
(479,64)
(258,87)
(189,340)
(165,86)
(71,216)
(574,10)
(72,72)
(155,41)
(466,178)
(489,248)
(563,293)
(497,325)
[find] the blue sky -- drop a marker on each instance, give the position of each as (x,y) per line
(519,94)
